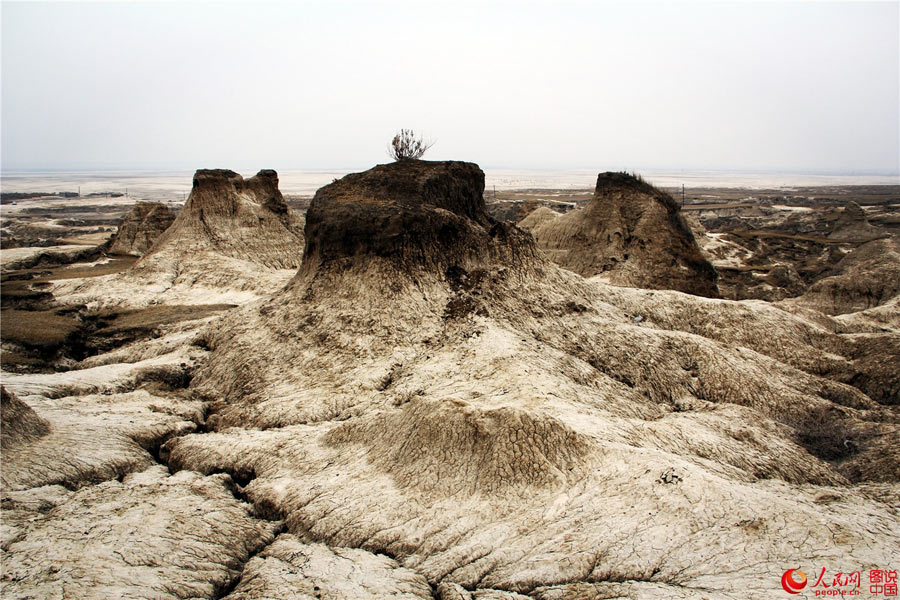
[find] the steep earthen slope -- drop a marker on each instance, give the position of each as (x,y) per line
(140,228)
(633,234)
(429,387)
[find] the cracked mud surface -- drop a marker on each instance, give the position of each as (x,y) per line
(153,535)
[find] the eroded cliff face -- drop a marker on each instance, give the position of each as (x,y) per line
(140,228)
(633,235)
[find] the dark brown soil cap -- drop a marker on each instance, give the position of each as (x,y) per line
(612,181)
(265,181)
(417,214)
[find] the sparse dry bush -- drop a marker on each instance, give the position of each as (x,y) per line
(406,145)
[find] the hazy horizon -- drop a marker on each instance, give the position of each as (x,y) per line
(248,169)
(776,87)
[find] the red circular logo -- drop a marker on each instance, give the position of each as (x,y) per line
(791,584)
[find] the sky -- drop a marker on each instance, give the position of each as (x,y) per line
(775,86)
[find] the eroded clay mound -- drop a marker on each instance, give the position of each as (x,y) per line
(632,233)
(867,277)
(234,241)
(21,424)
(242,219)
(140,228)
(853,226)
(390,252)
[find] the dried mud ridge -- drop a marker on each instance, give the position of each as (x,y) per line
(430,408)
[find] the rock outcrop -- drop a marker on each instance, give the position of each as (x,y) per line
(633,234)
(140,228)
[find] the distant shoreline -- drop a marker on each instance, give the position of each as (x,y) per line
(172,184)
